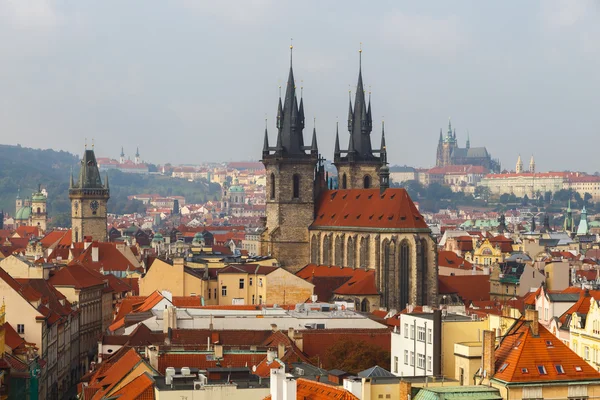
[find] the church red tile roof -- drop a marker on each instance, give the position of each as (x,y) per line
(367,208)
(77,276)
(523,357)
(110,258)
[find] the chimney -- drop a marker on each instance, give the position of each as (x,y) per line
(489,348)
(218,350)
(532,317)
(289,388)
(506,311)
(86,242)
(95,252)
(166,320)
(280,350)
(291,332)
(274,328)
(271,356)
(405,390)
(277,382)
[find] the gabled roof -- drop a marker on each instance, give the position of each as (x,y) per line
(247,269)
(361,283)
(110,258)
(367,208)
(27,292)
(307,389)
(77,276)
(116,284)
(376,372)
(450,259)
(523,357)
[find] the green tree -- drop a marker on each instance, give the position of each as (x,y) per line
(483,192)
(353,355)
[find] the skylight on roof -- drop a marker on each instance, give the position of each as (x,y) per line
(503,367)
(542,370)
(578,368)
(559,369)
(549,343)
(524,370)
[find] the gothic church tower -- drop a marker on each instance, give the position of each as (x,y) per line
(88,201)
(294,180)
(358,167)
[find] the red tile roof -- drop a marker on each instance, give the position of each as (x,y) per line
(226,337)
(110,258)
(521,355)
(141,388)
(362,283)
(367,208)
(311,390)
(77,276)
(27,292)
(247,269)
(450,259)
(468,287)
(116,284)
(199,360)
(56,237)
(316,342)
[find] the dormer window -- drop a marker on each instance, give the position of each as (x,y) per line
(559,369)
(542,370)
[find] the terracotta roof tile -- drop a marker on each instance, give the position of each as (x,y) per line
(141,388)
(450,259)
(361,283)
(203,360)
(468,287)
(77,276)
(521,355)
(307,389)
(367,208)
(110,258)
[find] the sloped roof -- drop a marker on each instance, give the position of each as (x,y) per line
(468,287)
(116,284)
(520,355)
(307,389)
(247,269)
(27,292)
(450,259)
(141,388)
(77,276)
(110,258)
(367,208)
(361,283)
(375,372)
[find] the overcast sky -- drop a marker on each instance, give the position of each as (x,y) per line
(192,81)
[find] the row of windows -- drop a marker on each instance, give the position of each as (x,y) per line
(295,186)
(410,359)
(241,285)
(420,333)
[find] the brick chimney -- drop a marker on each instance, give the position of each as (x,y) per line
(405,390)
(489,348)
(532,317)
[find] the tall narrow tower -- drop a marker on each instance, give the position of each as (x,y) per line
(122,157)
(88,201)
(292,183)
(358,167)
(519,167)
(532,165)
(137,155)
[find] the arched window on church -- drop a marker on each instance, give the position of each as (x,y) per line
(272,186)
(327,250)
(314,250)
(367,182)
(364,252)
(351,249)
(344,182)
(39,211)
(339,251)
(389,280)
(296,186)
(423,265)
(404,272)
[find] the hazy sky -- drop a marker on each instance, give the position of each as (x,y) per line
(192,81)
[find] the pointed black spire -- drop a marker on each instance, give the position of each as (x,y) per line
(291,119)
(336,151)
(383,148)
(313,147)
(350,113)
(122,152)
(441,139)
(360,124)
(266,142)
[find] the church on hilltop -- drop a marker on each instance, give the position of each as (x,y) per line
(362,224)
(448,153)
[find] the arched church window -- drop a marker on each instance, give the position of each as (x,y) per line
(296,186)
(364,252)
(424,262)
(344,182)
(404,272)
(367,182)
(272,186)
(339,251)
(350,253)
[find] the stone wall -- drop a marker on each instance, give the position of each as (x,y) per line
(355,174)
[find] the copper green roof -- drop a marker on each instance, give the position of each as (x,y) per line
(23,213)
(38,197)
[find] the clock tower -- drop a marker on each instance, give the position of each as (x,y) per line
(88,201)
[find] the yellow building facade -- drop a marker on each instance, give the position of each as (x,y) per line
(585,334)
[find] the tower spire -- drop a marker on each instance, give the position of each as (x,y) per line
(313,147)
(266,142)
(336,151)
(383,149)
(359,121)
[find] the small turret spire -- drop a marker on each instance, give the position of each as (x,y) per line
(336,151)
(106,180)
(383,148)
(266,142)
(71,182)
(313,147)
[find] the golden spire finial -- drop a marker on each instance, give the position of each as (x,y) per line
(291,50)
(360,55)
(279,90)
(92,143)
(85,145)
(301,88)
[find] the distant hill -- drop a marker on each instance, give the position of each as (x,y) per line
(27,168)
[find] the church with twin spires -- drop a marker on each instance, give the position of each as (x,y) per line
(362,224)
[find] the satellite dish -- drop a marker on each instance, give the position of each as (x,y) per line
(254,368)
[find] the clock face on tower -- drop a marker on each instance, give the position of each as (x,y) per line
(94,206)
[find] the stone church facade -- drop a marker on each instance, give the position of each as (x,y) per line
(363,224)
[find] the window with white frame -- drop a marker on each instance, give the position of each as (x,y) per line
(396,365)
(429,363)
(429,335)
(405,330)
(421,361)
(405,357)
(420,334)
(412,358)
(412,331)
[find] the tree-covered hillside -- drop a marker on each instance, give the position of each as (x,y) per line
(27,168)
